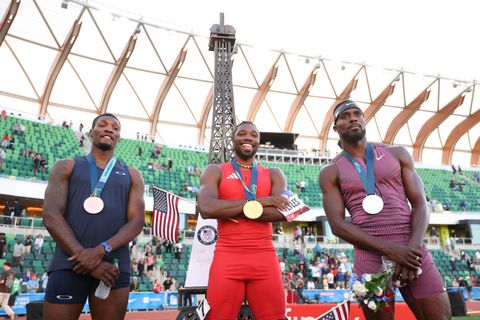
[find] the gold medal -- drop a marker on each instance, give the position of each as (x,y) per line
(252,209)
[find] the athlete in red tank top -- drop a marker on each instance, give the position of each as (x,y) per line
(391,229)
(245,263)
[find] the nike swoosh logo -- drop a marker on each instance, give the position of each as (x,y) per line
(380,157)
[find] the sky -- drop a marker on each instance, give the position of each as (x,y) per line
(426,37)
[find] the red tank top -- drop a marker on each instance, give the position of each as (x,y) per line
(393,222)
(246,234)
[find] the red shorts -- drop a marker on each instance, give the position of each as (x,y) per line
(256,276)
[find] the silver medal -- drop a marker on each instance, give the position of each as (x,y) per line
(93,205)
(372,204)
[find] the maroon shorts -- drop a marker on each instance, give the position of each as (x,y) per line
(429,283)
(256,276)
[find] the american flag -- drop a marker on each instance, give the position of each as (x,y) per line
(339,312)
(165,218)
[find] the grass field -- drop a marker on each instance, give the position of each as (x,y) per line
(466,318)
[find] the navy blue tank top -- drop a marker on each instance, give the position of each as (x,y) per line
(92,229)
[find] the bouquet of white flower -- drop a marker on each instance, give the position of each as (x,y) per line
(372,290)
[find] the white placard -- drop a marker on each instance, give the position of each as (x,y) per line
(204,242)
(202,309)
(294,207)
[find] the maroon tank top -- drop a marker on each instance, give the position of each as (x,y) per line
(246,234)
(393,222)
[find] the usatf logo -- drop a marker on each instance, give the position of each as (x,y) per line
(207,235)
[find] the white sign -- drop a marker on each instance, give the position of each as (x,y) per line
(204,242)
(294,207)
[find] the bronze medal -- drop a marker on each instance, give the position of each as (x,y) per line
(93,205)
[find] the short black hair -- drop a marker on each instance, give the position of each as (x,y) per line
(94,122)
(241,124)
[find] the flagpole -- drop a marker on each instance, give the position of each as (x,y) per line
(184,199)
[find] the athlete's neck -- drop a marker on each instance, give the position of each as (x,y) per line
(356,149)
(102,157)
(245,164)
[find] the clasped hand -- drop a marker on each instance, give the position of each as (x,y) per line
(408,262)
(86,260)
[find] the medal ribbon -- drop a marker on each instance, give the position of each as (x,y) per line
(251,192)
(367,178)
(96,185)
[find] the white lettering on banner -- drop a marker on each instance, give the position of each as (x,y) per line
(204,242)
(288,310)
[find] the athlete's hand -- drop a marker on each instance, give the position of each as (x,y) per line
(106,272)
(405,275)
(278,202)
(86,260)
(404,255)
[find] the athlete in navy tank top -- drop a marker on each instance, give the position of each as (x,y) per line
(93,208)
(382,224)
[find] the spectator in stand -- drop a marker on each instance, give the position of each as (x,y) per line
(150,263)
(455,283)
(167,284)
(178,250)
(134,286)
(80,127)
(198,171)
(11,143)
(157,286)
(4,114)
(28,244)
(168,246)
(5,140)
(38,244)
(6,283)
(3,157)
(446,207)
(18,253)
(463,205)
(302,185)
(191,170)
(170,164)
(434,234)
(454,170)
(140,151)
(3,245)
(36,162)
(32,284)
(141,267)
(297,185)
(134,266)
(44,281)
(26,277)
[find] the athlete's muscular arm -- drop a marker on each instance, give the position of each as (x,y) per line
(415,194)
(210,206)
(276,201)
(54,206)
(335,210)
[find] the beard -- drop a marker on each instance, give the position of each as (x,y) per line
(244,156)
(353,137)
(104,146)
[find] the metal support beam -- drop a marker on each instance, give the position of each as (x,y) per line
(328,121)
(165,88)
(222,40)
(117,72)
(8,19)
(263,90)
(431,124)
(475,158)
(404,115)
(456,134)
(57,65)
(300,98)
(376,104)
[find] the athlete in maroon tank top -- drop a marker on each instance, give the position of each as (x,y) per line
(382,224)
